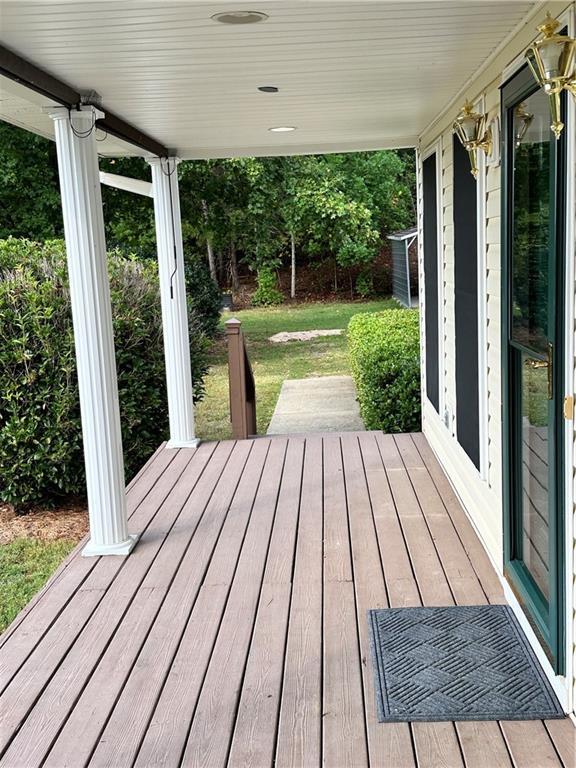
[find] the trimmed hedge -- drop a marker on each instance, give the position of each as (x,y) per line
(40,432)
(384,352)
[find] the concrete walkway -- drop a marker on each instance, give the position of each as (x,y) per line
(323,404)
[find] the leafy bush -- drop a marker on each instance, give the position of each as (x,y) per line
(365,283)
(385,359)
(267,293)
(40,433)
(203,294)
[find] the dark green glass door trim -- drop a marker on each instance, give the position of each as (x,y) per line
(547,617)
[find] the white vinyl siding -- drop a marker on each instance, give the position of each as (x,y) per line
(480,493)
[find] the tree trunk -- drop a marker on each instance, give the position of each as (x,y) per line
(209,249)
(211,260)
(221,268)
(293,266)
(234,268)
(335,276)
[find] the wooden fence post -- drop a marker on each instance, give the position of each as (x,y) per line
(241,383)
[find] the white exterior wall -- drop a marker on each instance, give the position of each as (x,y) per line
(481,493)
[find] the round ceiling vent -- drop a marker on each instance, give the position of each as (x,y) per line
(240,17)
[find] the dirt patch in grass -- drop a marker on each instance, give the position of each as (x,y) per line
(285,336)
(68,522)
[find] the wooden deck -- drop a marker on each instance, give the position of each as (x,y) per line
(236,632)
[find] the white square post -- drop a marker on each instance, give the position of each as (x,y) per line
(173,299)
(93,334)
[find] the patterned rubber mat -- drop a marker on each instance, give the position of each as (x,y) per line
(456,663)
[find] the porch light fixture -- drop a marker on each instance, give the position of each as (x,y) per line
(552,59)
(471,129)
(282,128)
(239,17)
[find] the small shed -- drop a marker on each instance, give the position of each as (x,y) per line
(404,268)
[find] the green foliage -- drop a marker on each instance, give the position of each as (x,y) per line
(337,208)
(365,283)
(267,293)
(385,360)
(29,193)
(25,566)
(40,434)
(202,293)
(129,218)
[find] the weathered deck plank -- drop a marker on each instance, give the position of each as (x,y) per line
(236,632)
(121,738)
(300,723)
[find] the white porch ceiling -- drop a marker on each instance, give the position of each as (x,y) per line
(352,75)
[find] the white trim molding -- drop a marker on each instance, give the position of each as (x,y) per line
(436,148)
(93,333)
(482,298)
(569,19)
(173,299)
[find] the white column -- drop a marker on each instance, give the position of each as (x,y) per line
(93,335)
(173,298)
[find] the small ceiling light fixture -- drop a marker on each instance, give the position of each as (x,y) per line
(239,17)
(552,59)
(282,128)
(470,127)
(268,88)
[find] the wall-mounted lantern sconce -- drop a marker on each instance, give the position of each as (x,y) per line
(471,128)
(522,121)
(552,59)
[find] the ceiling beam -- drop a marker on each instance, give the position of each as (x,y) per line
(24,72)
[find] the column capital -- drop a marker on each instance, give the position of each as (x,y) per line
(158,161)
(85,113)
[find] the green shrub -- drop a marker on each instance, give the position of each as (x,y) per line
(267,293)
(204,296)
(384,352)
(40,433)
(365,283)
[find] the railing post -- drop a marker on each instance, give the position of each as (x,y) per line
(241,383)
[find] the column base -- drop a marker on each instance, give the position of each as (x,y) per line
(194,443)
(124,548)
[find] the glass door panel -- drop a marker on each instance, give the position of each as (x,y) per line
(530,237)
(534,448)
(533,180)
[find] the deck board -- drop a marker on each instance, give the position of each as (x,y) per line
(235,634)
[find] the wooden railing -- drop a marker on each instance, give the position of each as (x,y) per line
(241,382)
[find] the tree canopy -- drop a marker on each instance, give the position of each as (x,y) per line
(257,211)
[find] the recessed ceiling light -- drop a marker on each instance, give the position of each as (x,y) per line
(283,128)
(268,88)
(240,17)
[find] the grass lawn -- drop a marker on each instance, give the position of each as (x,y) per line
(25,566)
(272,363)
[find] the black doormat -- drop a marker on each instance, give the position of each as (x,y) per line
(456,663)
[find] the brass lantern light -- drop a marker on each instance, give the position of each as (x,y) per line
(470,127)
(552,59)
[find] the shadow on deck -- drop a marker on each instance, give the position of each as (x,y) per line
(236,632)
